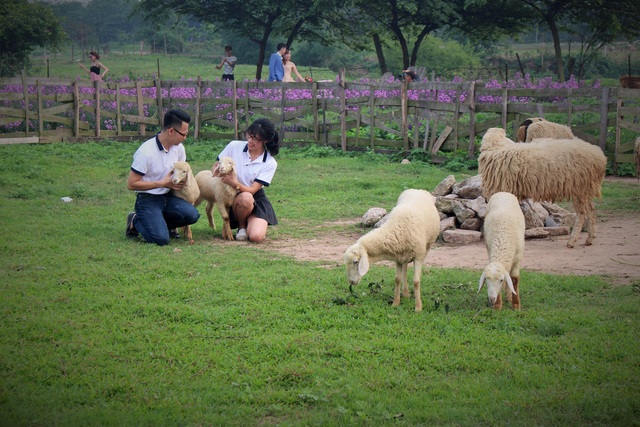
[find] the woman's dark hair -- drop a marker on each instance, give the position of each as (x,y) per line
(264,130)
(175,118)
(94,53)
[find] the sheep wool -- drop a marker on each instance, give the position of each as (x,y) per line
(217,193)
(190,192)
(548,170)
(522,129)
(504,228)
(545,129)
(411,228)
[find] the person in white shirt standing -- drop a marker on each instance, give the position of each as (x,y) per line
(227,64)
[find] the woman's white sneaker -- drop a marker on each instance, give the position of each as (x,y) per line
(241,234)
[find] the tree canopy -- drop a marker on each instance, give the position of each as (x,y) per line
(23,27)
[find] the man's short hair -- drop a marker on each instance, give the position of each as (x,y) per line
(227,48)
(280,46)
(175,118)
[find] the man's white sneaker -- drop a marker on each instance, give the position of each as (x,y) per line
(242,234)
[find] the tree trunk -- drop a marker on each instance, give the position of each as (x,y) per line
(380,54)
(556,46)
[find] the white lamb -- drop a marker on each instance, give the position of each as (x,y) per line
(536,127)
(407,235)
(190,192)
(504,238)
(216,192)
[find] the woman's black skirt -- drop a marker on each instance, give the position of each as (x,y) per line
(261,208)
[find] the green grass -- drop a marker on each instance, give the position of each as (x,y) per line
(100,330)
(171,67)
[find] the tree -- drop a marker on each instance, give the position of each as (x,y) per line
(606,19)
(23,27)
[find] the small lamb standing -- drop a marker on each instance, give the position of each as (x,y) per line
(504,238)
(217,193)
(407,235)
(547,170)
(190,192)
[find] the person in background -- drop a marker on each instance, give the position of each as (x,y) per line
(276,69)
(251,211)
(228,63)
(410,76)
(96,66)
(158,213)
(290,67)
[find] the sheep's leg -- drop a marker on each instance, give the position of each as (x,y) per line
(227,234)
(417,272)
(401,280)
(186,231)
(210,215)
(515,298)
(575,233)
(591,225)
(405,285)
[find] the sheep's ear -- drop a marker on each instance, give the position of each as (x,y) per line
(481,282)
(510,284)
(363,264)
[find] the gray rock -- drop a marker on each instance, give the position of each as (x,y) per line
(469,188)
(535,233)
(461,236)
(474,224)
(444,187)
(531,218)
(447,224)
(372,216)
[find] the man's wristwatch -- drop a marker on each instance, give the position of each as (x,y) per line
(238,187)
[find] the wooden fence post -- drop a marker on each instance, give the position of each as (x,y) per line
(159,100)
(604,118)
(505,107)
(343,109)
(118,113)
(234,86)
(472,120)
(314,107)
(40,118)
(96,85)
(196,127)
(25,94)
(143,127)
(403,115)
(76,109)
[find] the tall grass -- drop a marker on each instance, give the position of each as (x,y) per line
(101,330)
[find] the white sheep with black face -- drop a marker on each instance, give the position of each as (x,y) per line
(504,228)
(407,235)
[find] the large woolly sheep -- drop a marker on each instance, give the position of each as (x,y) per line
(217,193)
(504,238)
(407,235)
(541,128)
(182,172)
(547,170)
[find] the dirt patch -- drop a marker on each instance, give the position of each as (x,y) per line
(615,253)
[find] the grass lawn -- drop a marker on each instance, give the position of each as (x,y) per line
(98,330)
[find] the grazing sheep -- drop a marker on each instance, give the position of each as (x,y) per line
(522,129)
(182,173)
(504,239)
(216,192)
(407,235)
(548,170)
(541,128)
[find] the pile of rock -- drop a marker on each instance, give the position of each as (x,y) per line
(462,208)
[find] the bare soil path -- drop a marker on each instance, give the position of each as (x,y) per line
(615,253)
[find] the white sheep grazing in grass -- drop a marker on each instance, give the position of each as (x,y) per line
(504,238)
(217,193)
(547,170)
(182,172)
(407,235)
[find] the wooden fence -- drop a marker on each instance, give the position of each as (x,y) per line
(378,114)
